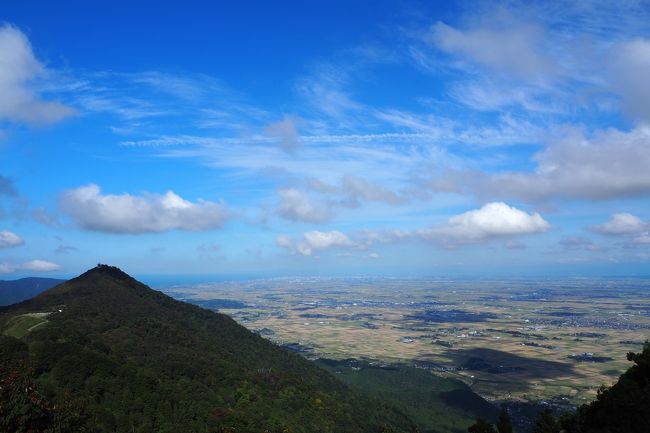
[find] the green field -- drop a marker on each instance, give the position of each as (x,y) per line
(19,326)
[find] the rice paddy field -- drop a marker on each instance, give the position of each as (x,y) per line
(509,340)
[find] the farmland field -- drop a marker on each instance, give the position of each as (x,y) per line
(513,340)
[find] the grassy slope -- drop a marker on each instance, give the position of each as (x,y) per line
(138,360)
(21,325)
(436,404)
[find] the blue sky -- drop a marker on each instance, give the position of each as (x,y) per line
(320,138)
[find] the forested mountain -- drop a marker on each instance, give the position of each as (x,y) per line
(105,353)
(13,291)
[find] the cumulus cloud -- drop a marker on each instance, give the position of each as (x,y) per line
(632,229)
(622,224)
(315,241)
(286,133)
(320,240)
(19,68)
(493,220)
(9,239)
(32,266)
(296,206)
(148,213)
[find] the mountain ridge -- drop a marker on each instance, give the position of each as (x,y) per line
(14,291)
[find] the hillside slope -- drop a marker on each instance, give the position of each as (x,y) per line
(112,354)
(435,403)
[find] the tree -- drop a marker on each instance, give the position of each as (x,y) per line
(481,426)
(546,423)
(623,407)
(504,425)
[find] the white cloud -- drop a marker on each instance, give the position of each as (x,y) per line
(20,102)
(317,240)
(490,221)
(493,220)
(622,224)
(285,132)
(296,206)
(32,266)
(40,266)
(610,164)
(149,213)
(283,241)
(512,48)
(320,240)
(9,239)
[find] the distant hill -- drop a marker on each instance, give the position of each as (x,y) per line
(13,291)
(105,353)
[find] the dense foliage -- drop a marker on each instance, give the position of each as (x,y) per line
(435,403)
(116,356)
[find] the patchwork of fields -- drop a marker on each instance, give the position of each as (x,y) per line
(551,340)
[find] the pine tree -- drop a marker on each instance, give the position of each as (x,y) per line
(546,423)
(504,425)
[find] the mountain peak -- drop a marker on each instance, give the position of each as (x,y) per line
(107,271)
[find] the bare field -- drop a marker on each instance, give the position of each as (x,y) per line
(515,339)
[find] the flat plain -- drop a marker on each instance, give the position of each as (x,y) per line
(509,340)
